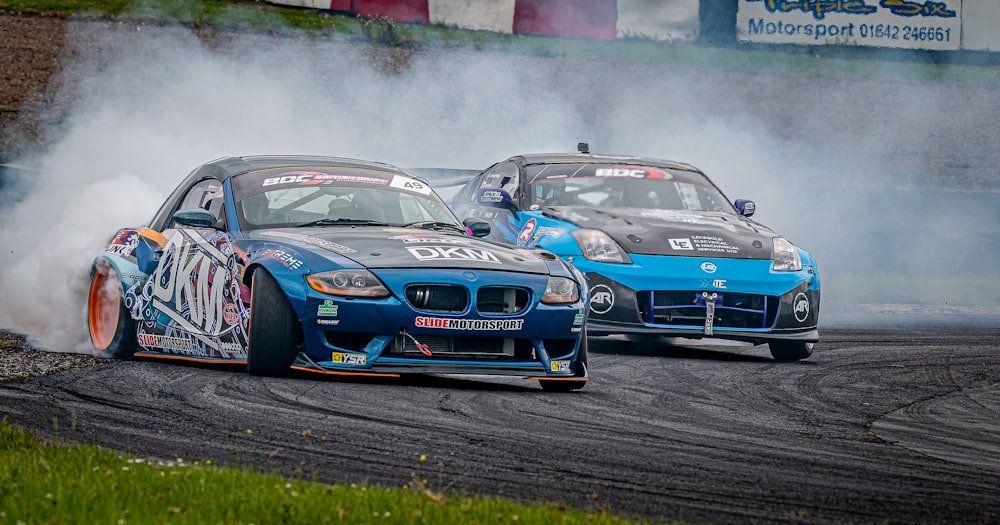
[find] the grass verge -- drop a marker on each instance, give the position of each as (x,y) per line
(46,483)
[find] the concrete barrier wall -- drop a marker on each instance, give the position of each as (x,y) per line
(671,20)
(480,15)
(605,19)
(979,25)
(913,24)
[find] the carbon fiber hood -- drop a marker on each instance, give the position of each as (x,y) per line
(666,232)
(413,248)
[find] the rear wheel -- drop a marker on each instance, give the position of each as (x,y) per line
(112,329)
(273,328)
(790,350)
(569,385)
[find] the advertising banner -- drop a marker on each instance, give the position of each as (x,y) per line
(911,24)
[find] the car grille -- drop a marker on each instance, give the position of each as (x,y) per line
(438,297)
(687,308)
(457,347)
(501,300)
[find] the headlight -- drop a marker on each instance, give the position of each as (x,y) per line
(349,283)
(786,257)
(598,246)
(561,290)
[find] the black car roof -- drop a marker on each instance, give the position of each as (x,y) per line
(580,158)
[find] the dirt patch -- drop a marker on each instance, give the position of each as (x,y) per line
(29,57)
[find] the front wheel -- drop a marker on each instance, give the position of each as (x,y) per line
(273,327)
(112,329)
(569,385)
(790,350)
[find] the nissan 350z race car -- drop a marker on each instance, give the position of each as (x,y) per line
(337,266)
(664,252)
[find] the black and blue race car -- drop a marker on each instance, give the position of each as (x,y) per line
(665,253)
(337,266)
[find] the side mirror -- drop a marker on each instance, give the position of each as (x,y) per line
(746,207)
(477,227)
(195,218)
(494,198)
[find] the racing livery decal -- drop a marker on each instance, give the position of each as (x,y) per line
(193,299)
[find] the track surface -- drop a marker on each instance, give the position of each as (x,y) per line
(875,426)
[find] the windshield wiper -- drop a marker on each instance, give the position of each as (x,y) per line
(342,222)
(435,225)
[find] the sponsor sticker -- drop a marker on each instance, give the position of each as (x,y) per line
(631,172)
(681,244)
(561,365)
(313,178)
(483,325)
(602,299)
(231,348)
(230,314)
(801,307)
(284,258)
(315,241)
(708,267)
(578,319)
(491,196)
(708,243)
(344,358)
(424,239)
(178,344)
(432,253)
(327,309)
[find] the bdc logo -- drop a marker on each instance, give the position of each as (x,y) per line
(602,299)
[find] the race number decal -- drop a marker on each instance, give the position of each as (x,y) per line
(408,184)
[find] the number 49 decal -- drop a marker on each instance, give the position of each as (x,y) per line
(408,184)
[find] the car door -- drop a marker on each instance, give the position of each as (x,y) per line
(193,301)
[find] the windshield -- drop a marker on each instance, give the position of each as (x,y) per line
(623,186)
(332,196)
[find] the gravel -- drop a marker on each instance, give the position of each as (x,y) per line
(19,360)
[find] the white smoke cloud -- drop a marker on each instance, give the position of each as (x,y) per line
(149,104)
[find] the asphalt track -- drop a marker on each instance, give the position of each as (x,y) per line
(875,426)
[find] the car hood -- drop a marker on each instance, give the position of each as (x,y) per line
(667,232)
(412,248)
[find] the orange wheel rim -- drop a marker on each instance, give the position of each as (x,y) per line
(103,309)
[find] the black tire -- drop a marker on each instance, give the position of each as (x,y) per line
(273,328)
(112,329)
(790,350)
(569,385)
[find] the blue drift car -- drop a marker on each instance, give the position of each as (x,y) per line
(663,250)
(336,266)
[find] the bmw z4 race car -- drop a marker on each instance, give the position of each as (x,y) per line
(663,250)
(338,266)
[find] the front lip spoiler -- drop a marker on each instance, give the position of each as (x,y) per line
(601,328)
(533,371)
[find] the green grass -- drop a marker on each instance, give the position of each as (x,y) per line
(844,63)
(45,483)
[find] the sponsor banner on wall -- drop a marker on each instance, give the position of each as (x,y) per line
(911,24)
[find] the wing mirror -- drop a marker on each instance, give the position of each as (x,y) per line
(477,227)
(746,207)
(195,218)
